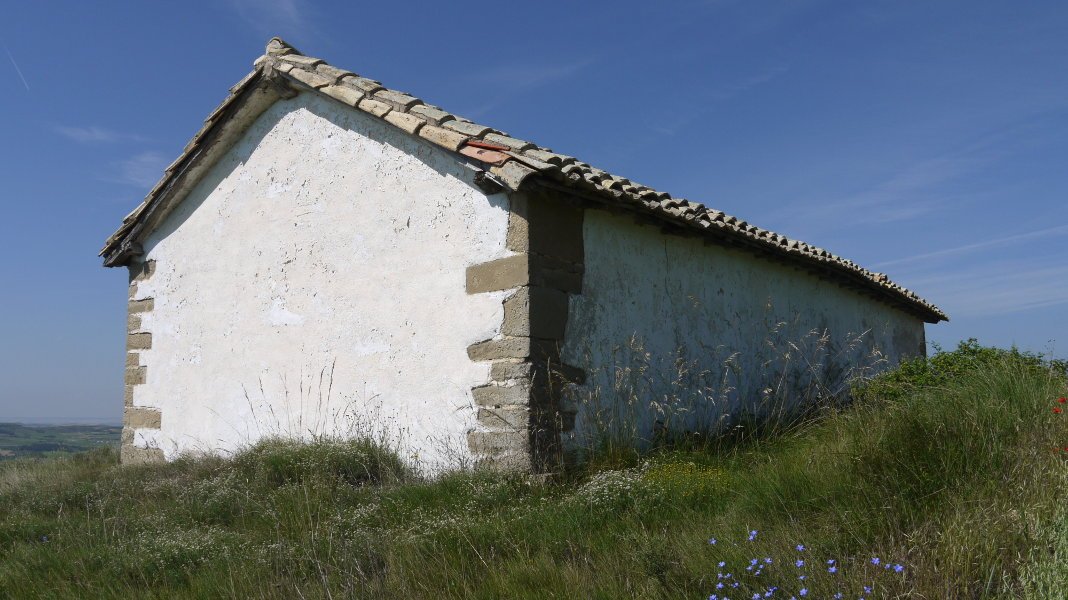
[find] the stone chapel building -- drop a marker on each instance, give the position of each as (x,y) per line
(328,256)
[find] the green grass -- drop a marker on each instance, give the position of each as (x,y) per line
(21,441)
(950,473)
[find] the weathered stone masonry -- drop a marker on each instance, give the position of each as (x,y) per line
(520,409)
(138,340)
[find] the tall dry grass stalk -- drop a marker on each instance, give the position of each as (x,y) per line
(715,396)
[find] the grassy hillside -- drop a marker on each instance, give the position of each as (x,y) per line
(944,471)
(17,440)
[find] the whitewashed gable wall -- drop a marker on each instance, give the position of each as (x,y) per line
(313,283)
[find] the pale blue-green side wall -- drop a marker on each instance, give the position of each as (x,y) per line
(672,330)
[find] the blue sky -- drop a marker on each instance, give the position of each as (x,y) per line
(925,140)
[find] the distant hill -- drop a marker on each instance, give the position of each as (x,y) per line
(18,440)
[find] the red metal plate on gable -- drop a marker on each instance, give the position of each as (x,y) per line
(485,155)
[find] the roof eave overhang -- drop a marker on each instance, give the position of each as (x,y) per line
(248,99)
(283,72)
(726,237)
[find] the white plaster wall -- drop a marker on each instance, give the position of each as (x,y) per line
(690,335)
(313,283)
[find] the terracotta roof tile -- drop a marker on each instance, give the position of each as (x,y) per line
(333,72)
(549,157)
(432,114)
(344,93)
(443,137)
(375,107)
(368,86)
(467,128)
(310,78)
(302,61)
(509,142)
(409,123)
(398,99)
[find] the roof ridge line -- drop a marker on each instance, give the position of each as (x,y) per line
(518,159)
(276,46)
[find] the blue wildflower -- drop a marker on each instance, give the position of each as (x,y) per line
(719,586)
(752,535)
(721,564)
(756,596)
(712,541)
(832,569)
(799,563)
(874,561)
(803,592)
(831,561)
(767,561)
(867,589)
(800,547)
(898,568)
(838,596)
(802,577)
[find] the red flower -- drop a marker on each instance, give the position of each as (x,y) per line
(1057,410)
(1062,399)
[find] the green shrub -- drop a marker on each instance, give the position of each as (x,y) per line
(945,367)
(277,462)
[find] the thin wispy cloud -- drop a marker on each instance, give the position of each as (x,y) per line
(17,69)
(141,170)
(671,124)
(968,248)
(735,88)
(94,134)
(993,289)
(512,80)
(910,193)
(753,19)
(919,189)
(932,184)
(273,17)
(519,77)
